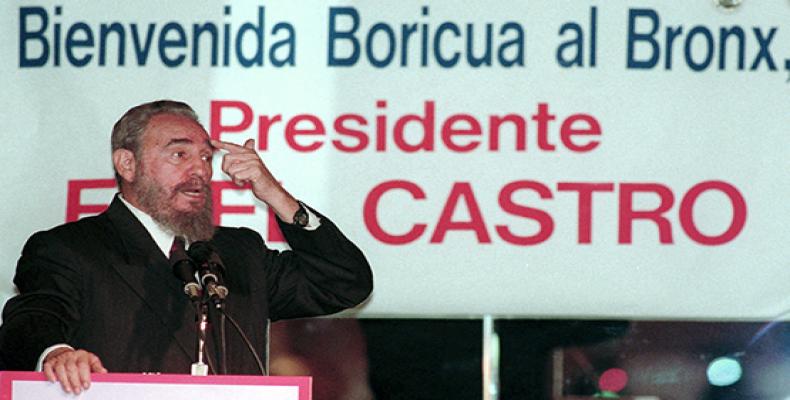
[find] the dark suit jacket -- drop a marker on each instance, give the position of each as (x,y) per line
(101,284)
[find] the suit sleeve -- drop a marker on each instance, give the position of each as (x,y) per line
(323,273)
(46,310)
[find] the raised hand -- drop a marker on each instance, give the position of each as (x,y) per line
(244,165)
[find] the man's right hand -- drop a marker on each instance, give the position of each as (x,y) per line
(72,368)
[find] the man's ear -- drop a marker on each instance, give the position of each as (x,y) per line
(125,164)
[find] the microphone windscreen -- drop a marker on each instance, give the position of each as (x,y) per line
(200,251)
(184,270)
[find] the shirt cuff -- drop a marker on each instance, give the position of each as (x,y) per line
(313,222)
(45,353)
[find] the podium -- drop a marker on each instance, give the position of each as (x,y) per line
(34,386)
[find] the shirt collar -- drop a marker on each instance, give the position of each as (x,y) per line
(162,237)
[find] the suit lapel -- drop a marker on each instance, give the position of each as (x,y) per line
(147,272)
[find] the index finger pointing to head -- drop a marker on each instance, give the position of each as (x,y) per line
(227,146)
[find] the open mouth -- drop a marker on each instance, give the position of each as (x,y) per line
(193,191)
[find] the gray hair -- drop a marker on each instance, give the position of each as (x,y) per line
(128,131)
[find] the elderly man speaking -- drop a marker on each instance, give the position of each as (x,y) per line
(98,294)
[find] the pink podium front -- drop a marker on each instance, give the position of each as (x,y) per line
(33,386)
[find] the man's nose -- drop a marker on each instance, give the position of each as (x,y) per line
(201,168)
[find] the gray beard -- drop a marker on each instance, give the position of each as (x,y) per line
(154,199)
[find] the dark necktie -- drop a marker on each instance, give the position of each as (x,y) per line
(178,246)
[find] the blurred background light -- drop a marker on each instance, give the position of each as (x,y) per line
(724,371)
(613,380)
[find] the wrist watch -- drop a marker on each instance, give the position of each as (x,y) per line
(300,217)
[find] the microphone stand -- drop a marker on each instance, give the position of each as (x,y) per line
(184,268)
(199,368)
(210,272)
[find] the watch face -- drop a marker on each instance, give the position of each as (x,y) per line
(301,218)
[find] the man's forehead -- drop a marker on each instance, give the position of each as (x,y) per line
(166,129)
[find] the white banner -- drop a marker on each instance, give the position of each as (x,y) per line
(549,159)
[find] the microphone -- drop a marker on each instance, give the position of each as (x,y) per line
(184,269)
(210,270)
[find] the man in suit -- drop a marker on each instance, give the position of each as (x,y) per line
(98,294)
